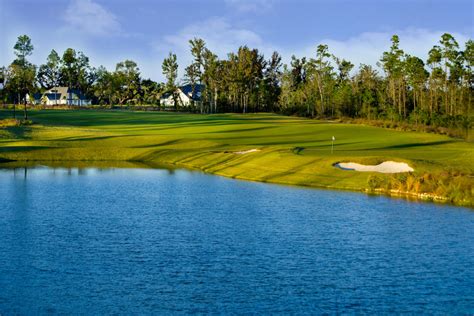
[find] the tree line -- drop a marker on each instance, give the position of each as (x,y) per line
(437,91)
(408,89)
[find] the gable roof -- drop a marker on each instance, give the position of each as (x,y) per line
(187,90)
(53,96)
(58,93)
(57,90)
(37,96)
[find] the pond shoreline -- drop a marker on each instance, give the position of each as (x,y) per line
(132,164)
(411,196)
(257,147)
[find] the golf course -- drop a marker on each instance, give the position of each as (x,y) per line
(258,147)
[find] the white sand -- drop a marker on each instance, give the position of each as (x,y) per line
(384,167)
(246,151)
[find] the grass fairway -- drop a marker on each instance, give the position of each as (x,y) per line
(292,150)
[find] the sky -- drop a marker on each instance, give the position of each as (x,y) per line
(110,31)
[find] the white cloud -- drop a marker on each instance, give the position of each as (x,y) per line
(91,18)
(368,47)
(255,6)
(221,38)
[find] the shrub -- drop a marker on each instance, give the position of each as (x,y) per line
(374,182)
(9,122)
(14,122)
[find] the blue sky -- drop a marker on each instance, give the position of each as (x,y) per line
(109,31)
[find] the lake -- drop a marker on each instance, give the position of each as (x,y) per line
(143,241)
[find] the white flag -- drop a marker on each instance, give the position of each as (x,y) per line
(333,138)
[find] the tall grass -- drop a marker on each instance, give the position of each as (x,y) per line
(451,186)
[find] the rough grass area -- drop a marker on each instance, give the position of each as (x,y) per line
(9,122)
(289,150)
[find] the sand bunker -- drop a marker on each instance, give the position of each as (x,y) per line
(246,151)
(384,167)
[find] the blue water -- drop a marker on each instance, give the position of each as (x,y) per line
(145,241)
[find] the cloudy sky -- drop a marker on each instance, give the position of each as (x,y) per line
(109,31)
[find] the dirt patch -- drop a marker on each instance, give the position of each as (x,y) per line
(243,152)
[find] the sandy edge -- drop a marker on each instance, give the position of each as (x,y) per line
(384,167)
(246,151)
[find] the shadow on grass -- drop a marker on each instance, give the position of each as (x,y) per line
(93,118)
(85,138)
(7,149)
(298,150)
(19,132)
(169,142)
(243,130)
(413,145)
(327,144)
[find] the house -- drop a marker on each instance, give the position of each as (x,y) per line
(60,96)
(35,99)
(185,95)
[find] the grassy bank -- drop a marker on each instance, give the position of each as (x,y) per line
(291,150)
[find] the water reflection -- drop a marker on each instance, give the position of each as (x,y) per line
(164,241)
(20,169)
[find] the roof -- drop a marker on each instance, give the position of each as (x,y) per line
(37,96)
(58,93)
(187,90)
(53,96)
(57,90)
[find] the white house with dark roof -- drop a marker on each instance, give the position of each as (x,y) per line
(185,96)
(61,96)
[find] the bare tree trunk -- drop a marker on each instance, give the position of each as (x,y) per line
(175,100)
(215,99)
(414,100)
(26,111)
(404,98)
(453,100)
(321,95)
(14,106)
(431,101)
(394,95)
(399,101)
(446,106)
(420,98)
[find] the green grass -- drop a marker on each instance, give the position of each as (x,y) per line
(293,150)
